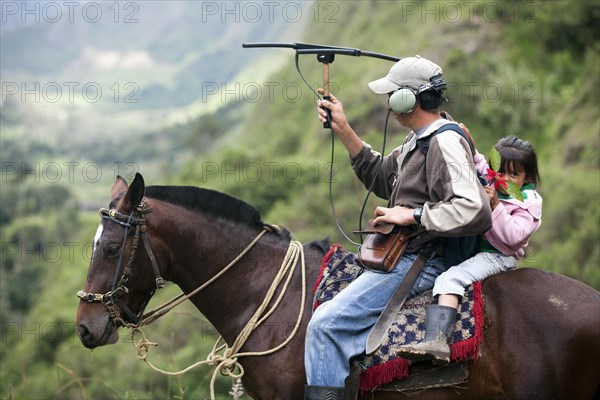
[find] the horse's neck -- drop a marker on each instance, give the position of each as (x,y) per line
(199,249)
(233,298)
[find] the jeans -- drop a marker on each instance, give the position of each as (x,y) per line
(339,328)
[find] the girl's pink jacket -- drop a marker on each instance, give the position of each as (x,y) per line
(513,221)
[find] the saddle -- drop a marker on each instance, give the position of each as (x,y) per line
(383,369)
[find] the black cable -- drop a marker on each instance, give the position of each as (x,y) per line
(337,222)
(332,159)
(297,59)
(362,210)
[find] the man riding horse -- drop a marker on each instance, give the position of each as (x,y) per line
(436,190)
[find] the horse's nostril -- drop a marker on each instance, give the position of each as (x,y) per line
(84,332)
(87,336)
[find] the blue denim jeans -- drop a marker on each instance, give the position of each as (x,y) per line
(339,328)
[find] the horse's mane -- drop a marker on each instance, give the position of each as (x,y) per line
(208,201)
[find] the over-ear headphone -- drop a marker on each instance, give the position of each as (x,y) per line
(404,100)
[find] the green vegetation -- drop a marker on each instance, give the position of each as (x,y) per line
(529,68)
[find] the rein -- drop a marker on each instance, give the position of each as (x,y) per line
(159,311)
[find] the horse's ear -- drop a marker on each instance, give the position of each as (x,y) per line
(134,194)
(119,187)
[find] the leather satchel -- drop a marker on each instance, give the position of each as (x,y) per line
(383,246)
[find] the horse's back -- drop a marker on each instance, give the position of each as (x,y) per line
(544,330)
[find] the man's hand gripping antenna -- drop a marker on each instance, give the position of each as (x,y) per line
(326,59)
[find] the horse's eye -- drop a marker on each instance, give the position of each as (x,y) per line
(112,251)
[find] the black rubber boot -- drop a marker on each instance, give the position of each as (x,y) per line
(439,323)
(323,393)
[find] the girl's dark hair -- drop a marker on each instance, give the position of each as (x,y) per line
(430,100)
(518,154)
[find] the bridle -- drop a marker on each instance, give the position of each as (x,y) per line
(112,299)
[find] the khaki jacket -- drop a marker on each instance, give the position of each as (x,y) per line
(444,183)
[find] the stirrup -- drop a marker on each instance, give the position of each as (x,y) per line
(323,393)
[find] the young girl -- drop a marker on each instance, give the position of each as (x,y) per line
(513,223)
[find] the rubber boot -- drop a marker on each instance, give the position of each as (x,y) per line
(439,323)
(323,393)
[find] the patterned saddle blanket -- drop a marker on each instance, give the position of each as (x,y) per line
(339,269)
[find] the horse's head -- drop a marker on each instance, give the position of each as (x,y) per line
(122,277)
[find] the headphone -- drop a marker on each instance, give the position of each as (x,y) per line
(404,100)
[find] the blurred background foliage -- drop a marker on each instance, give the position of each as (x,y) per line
(209,113)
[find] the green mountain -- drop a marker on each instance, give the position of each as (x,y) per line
(102,76)
(243,121)
(529,69)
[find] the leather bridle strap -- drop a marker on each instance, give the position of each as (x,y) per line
(160,282)
(118,289)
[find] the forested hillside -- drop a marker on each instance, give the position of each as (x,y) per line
(525,68)
(529,69)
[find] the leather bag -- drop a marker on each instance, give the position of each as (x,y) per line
(383,246)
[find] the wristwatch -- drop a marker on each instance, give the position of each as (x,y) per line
(417,213)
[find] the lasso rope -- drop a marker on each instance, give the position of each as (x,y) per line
(227,363)
(158,312)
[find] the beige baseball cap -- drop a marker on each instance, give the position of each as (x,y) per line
(410,72)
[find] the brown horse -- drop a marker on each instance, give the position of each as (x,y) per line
(541,335)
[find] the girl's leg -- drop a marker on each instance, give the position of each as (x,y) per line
(448,300)
(481,266)
(440,318)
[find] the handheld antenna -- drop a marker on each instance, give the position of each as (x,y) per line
(308,48)
(326,55)
(326,59)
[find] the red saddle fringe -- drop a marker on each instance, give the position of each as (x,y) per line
(397,369)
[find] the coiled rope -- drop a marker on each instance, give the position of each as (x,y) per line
(226,363)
